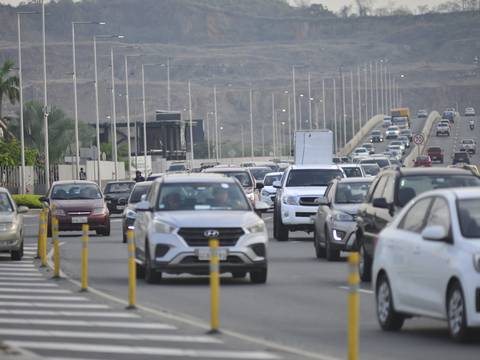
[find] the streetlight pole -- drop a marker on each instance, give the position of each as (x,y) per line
(309,101)
(251,124)
(191,123)
(45,100)
(324,105)
(75,96)
(208,135)
(300,111)
(366,93)
(381,87)
(372,111)
(127,104)
(359,98)
(352,104)
(289,127)
(114,117)
(335,115)
(376,87)
(294,100)
(144,120)
(263,140)
(273,122)
(344,110)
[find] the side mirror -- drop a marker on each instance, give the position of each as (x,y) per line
(380,203)
(321,201)
(261,206)
(143,206)
(277,184)
(22,210)
(44,199)
(259,185)
(435,233)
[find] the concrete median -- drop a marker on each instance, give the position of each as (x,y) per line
(364,131)
(419,149)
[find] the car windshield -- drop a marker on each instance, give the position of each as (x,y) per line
(392,128)
(177,167)
(423,158)
(351,193)
(119,188)
(312,177)
(371,169)
(380,162)
(76,192)
(352,171)
(360,150)
(137,193)
(268,181)
(414,185)
(259,173)
(202,196)
(467,141)
(376,133)
(242,176)
(5,203)
(461,156)
(469,217)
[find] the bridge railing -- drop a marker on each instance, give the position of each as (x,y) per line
(419,149)
(364,131)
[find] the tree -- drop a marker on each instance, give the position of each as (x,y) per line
(8,84)
(10,154)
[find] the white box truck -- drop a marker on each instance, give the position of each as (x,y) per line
(313,147)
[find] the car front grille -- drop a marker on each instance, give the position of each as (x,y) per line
(196,236)
(191,260)
(308,200)
(79,213)
(303,214)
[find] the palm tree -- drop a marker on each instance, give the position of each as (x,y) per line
(8,84)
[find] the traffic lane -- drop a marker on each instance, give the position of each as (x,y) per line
(303,304)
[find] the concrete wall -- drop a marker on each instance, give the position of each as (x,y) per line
(106,170)
(357,139)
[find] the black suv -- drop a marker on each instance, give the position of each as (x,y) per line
(116,194)
(461,157)
(391,190)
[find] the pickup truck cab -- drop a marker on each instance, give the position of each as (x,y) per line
(297,194)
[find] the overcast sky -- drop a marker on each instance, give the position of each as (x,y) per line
(336,4)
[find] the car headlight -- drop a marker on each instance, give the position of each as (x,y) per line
(257,228)
(7,226)
(341,216)
(59,212)
(130,214)
(290,200)
(99,211)
(476,262)
(163,227)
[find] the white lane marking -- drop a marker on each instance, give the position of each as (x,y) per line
(365,291)
(54,305)
(40,297)
(84,323)
(42,284)
(44,291)
(107,335)
(14,268)
(15,279)
(28,265)
(22,274)
(142,350)
(69,313)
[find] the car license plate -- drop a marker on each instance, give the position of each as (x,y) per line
(120,207)
(204,254)
(79,220)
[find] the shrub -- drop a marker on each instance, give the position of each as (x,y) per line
(31,201)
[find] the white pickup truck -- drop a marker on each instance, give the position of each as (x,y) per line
(296,196)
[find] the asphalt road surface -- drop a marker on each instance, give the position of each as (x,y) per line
(303,306)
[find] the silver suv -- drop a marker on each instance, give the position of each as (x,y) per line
(468,145)
(181,212)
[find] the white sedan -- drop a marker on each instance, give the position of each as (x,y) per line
(427,262)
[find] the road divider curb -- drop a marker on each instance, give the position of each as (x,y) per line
(426,131)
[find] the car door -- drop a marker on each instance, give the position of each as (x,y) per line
(323,212)
(381,217)
(142,222)
(407,238)
(430,262)
(366,213)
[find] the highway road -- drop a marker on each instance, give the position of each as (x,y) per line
(302,308)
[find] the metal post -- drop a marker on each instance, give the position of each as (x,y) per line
(20,85)
(376,88)
(344,111)
(353,306)
(324,105)
(144,120)
(191,123)
(132,271)
(243,141)
(300,112)
(359,98)
(214,286)
(97,112)
(84,285)
(309,101)
(169,104)
(294,100)
(251,125)
(208,135)
(273,123)
(371,90)
(335,115)
(114,116)
(56,248)
(45,100)
(216,121)
(289,128)
(127,104)
(352,104)
(39,238)
(43,253)
(366,94)
(381,87)
(263,140)
(75,105)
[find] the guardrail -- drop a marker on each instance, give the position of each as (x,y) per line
(364,131)
(419,149)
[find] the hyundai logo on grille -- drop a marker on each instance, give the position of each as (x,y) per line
(211,233)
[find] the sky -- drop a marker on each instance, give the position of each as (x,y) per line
(335,5)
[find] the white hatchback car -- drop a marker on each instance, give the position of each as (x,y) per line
(427,262)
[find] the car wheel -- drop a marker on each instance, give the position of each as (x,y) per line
(282,230)
(124,240)
(457,314)
(364,264)
(151,275)
(388,318)
(319,251)
(259,276)
(275,220)
(239,274)
(16,255)
(330,254)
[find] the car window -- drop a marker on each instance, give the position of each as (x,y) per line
(268,181)
(137,193)
(312,177)
(469,217)
(414,219)
(118,188)
(378,192)
(242,176)
(352,171)
(5,203)
(389,191)
(351,193)
(76,191)
(439,214)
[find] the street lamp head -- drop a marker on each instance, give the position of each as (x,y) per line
(102,23)
(301,95)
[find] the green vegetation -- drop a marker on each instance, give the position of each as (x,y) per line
(10,154)
(31,201)
(8,84)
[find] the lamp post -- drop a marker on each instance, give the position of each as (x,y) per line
(310,100)
(323,105)
(216,122)
(335,115)
(45,100)
(191,123)
(300,110)
(251,124)
(75,96)
(294,100)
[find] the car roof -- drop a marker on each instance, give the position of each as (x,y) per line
(121,182)
(349,165)
(143,183)
(314,167)
(274,174)
(4,190)
(431,171)
(195,178)
(74,182)
(259,168)
(354,179)
(225,169)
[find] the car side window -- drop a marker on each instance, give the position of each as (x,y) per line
(389,191)
(328,191)
(414,219)
(439,214)
(378,192)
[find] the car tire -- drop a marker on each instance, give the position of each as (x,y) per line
(365,264)
(275,219)
(281,230)
(457,314)
(124,238)
(259,276)
(239,274)
(330,254)
(387,317)
(319,251)
(139,271)
(17,255)
(151,275)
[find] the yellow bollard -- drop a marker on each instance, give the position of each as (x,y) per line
(353,306)
(56,248)
(85,229)
(40,234)
(214,286)
(132,276)
(43,247)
